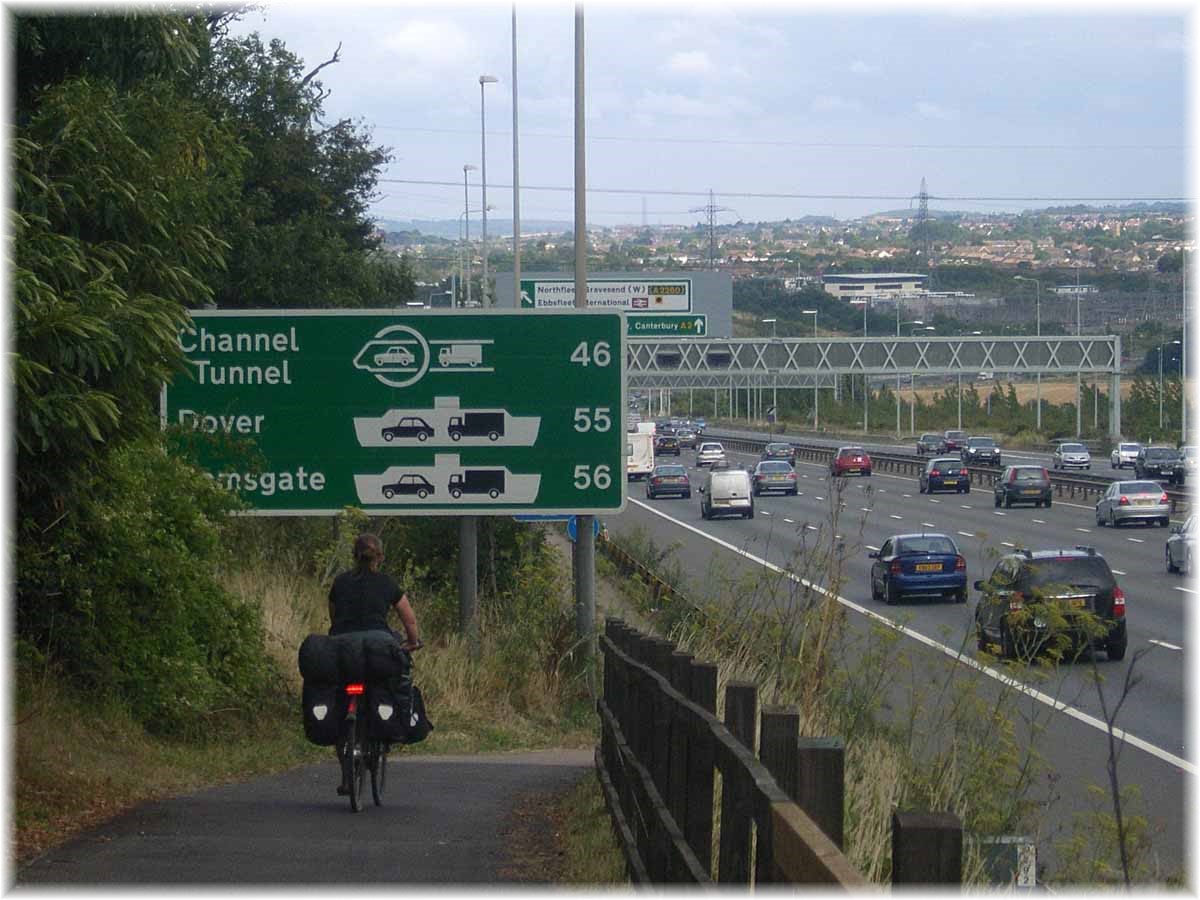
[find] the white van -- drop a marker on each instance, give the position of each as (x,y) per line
(639,455)
(726,491)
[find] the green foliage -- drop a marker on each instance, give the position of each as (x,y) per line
(122,593)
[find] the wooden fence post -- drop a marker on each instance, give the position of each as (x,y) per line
(821,764)
(701,763)
(779,728)
(741,702)
(680,741)
(926,848)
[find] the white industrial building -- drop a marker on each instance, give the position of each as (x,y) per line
(875,285)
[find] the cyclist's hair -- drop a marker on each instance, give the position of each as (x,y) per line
(368,552)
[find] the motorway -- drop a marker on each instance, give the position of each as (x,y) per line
(1153,720)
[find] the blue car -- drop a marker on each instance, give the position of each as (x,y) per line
(924,564)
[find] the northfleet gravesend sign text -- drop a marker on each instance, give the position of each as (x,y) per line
(434,413)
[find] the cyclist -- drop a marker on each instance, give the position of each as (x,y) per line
(359,600)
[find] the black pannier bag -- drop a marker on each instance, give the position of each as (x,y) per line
(324,709)
(385,657)
(351,660)
(388,705)
(419,725)
(318,659)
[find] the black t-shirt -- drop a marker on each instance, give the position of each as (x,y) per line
(361,601)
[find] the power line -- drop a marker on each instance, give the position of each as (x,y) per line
(770,195)
(817,145)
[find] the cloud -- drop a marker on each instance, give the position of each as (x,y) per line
(928,110)
(827,103)
(858,67)
(690,62)
(429,44)
(659,103)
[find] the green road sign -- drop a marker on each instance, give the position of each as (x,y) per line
(432,413)
(649,294)
(647,326)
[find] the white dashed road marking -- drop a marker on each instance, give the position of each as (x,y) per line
(928,525)
(964,506)
(998,513)
(869,547)
(865,508)
(1187,590)
(1163,644)
(765,513)
(1118,572)
(908,496)
(1136,540)
(1084,530)
(931,500)
(1008,543)
(894,516)
(1039,521)
(812,528)
(966,534)
(790,521)
(820,498)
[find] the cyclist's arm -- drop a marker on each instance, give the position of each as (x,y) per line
(409,619)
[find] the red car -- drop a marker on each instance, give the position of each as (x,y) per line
(850,461)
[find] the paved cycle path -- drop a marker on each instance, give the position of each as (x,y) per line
(443,821)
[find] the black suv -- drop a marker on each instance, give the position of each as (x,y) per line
(1160,463)
(1034,597)
(1023,484)
(981,450)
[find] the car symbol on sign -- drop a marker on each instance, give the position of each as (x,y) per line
(395,356)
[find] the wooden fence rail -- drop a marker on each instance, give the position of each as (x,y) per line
(780,813)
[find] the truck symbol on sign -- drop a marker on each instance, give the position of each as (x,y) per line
(460,354)
(477,424)
(477,481)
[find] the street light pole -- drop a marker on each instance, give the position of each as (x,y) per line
(483,285)
(516,193)
(1038,287)
(774,380)
(467,218)
(816,376)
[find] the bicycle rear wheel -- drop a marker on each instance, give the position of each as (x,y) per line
(379,771)
(353,762)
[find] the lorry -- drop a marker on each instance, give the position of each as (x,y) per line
(476,424)
(460,354)
(639,453)
(477,481)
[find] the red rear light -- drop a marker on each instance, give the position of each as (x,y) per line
(354,689)
(1045,475)
(895,567)
(935,472)
(1118,602)
(960,564)
(963,472)
(1164,498)
(792,476)
(1124,501)
(656,480)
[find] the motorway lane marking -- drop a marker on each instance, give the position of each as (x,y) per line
(765,513)
(812,528)
(998,513)
(790,521)
(894,516)
(928,525)
(865,508)
(908,496)
(956,654)
(1164,644)
(1039,521)
(966,534)
(1008,543)
(965,506)
(869,547)
(1187,590)
(931,500)
(820,498)
(1136,540)
(1084,530)
(1118,572)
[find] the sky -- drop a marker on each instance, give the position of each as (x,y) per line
(782,111)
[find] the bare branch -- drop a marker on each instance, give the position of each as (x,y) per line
(313,74)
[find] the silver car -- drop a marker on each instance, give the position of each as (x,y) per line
(709,453)
(1124,454)
(1191,459)
(1072,456)
(1128,501)
(1181,543)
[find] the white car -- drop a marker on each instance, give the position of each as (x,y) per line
(1191,459)
(1072,456)
(1124,454)
(709,453)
